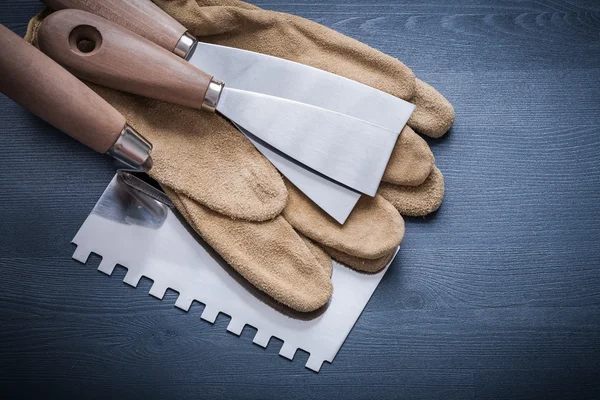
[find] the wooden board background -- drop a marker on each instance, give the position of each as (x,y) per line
(495,296)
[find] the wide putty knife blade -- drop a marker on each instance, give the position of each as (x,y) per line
(150,240)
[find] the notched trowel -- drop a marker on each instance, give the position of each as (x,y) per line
(127,223)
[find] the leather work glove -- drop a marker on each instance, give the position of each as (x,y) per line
(233,197)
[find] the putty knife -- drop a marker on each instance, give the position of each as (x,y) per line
(40,85)
(346,149)
(124,228)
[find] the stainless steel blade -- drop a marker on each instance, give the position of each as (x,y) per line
(255,72)
(336,200)
(346,149)
(146,237)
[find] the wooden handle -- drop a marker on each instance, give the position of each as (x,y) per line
(46,89)
(102,52)
(140,16)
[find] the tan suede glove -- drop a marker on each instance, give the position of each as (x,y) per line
(222,186)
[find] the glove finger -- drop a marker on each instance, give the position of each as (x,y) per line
(270,255)
(416,201)
(373,229)
(361,264)
(411,161)
(433,115)
(322,257)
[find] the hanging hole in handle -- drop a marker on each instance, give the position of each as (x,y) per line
(85,40)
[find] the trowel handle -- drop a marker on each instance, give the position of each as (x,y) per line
(46,89)
(102,52)
(140,16)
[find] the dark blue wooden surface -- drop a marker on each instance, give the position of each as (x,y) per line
(495,296)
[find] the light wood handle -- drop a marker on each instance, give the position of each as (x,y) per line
(140,16)
(49,91)
(120,59)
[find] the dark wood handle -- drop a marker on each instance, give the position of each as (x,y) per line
(140,16)
(49,91)
(102,52)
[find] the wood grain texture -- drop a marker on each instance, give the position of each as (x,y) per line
(120,59)
(140,16)
(497,295)
(43,87)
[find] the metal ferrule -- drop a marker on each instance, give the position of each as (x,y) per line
(213,93)
(132,149)
(185,46)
